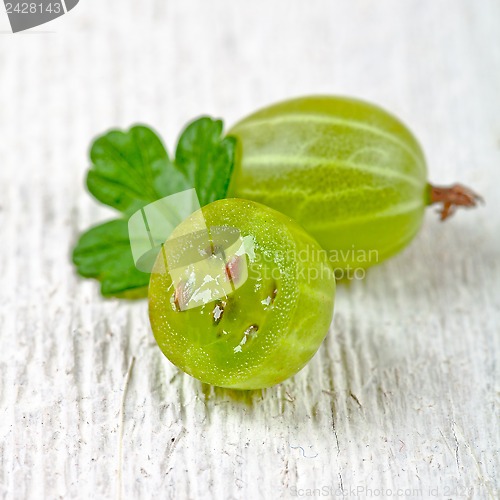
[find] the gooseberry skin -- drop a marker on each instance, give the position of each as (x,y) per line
(283,317)
(347,171)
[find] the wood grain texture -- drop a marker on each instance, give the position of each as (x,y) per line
(403,395)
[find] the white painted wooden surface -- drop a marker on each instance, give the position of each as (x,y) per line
(403,395)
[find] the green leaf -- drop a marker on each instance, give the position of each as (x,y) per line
(103,253)
(131,169)
(206,158)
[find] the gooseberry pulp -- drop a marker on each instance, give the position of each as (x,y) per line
(349,172)
(266,296)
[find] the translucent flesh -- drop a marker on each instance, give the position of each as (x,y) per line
(271,325)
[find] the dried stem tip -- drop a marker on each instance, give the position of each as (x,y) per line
(453,197)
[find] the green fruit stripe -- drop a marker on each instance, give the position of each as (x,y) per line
(397,191)
(357,198)
(401,209)
(331,120)
(336,166)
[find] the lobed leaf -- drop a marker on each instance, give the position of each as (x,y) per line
(206,158)
(131,169)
